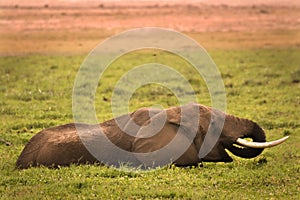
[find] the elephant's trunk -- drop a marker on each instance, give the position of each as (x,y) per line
(249,130)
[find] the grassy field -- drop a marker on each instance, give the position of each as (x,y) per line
(261,84)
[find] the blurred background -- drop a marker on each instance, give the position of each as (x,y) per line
(75,26)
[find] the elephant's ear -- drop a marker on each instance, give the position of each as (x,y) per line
(131,124)
(187,116)
(174,115)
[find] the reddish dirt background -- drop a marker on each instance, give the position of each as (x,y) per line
(71,26)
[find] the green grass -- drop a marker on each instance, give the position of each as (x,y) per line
(262,85)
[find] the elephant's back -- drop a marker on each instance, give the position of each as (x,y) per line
(60,145)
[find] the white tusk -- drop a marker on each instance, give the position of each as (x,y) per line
(260,145)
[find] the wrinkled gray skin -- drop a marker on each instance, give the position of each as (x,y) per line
(61,145)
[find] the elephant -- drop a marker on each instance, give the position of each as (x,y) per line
(140,136)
